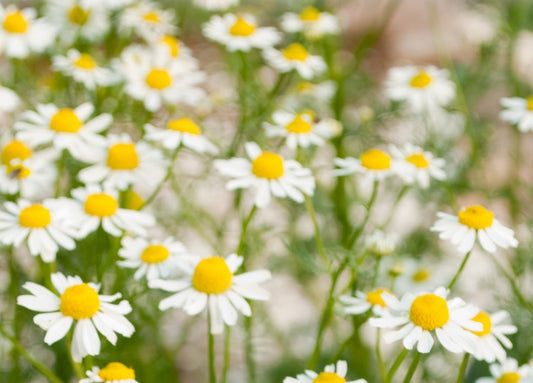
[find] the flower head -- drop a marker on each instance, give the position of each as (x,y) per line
(295,57)
(333,373)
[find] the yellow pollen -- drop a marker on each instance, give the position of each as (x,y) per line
(421,275)
(476,217)
(122,156)
(85,61)
(18,171)
(310,14)
(155,254)
(158,79)
(268,165)
(152,17)
(298,125)
(509,377)
(374,297)
(212,276)
(305,86)
(133,200)
(421,80)
(173,45)
(242,28)
(35,217)
(100,205)
(419,160)
(295,52)
(328,377)
(530,103)
(78,15)
(65,121)
(429,311)
(115,371)
(184,125)
(79,301)
(375,159)
(15,150)
(15,22)
(484,319)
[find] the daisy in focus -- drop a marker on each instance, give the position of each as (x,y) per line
(313,23)
(518,111)
(421,316)
(420,166)
(508,371)
(80,304)
(494,332)
(114,372)
(269,174)
(364,302)
(295,57)
(215,5)
(212,283)
(474,222)
(148,21)
(240,32)
(373,165)
(333,373)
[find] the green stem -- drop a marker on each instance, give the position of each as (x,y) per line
(60,169)
(168,174)
(211,348)
(462,369)
(460,270)
(412,368)
(318,236)
(249,350)
(379,355)
(396,365)
(357,232)
(244,229)
(227,354)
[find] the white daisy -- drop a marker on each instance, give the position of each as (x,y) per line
(240,32)
(80,302)
(9,100)
(215,5)
(269,174)
(124,163)
(212,283)
(295,57)
(418,166)
(114,372)
(148,21)
(176,49)
(474,222)
(312,22)
(373,164)
(65,128)
(416,276)
(333,373)
(508,372)
(518,111)
(180,131)
(43,226)
(422,315)
(494,332)
(322,92)
(363,302)
(381,243)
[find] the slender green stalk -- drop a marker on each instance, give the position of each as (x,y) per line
(244,229)
(168,174)
(396,203)
(412,368)
(211,351)
(60,170)
(460,270)
(249,350)
(396,364)
(357,232)
(227,354)
(318,236)
(462,369)
(379,355)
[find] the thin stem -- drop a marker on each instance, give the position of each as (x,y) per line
(462,369)
(244,229)
(379,355)
(397,363)
(211,348)
(156,191)
(227,354)
(412,368)
(395,205)
(357,232)
(249,350)
(318,236)
(60,169)
(460,270)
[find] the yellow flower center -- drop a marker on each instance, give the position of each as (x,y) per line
(328,377)
(241,27)
(429,311)
(298,125)
(509,377)
(100,205)
(35,217)
(154,254)
(268,165)
(530,103)
(184,125)
(310,14)
(115,371)
(152,17)
(476,217)
(158,79)
(65,121)
(421,80)
(484,319)
(85,61)
(374,297)
(78,15)
(18,171)
(15,150)
(79,301)
(421,275)
(122,156)
(15,22)
(295,52)
(304,87)
(212,276)
(375,159)
(133,200)
(419,160)
(173,45)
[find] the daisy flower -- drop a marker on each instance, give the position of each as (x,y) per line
(82,68)
(148,21)
(363,302)
(176,49)
(422,315)
(77,302)
(215,5)
(508,372)
(155,259)
(417,276)
(114,372)
(373,164)
(211,283)
(240,32)
(65,128)
(269,174)
(518,111)
(474,222)
(322,92)
(43,226)
(9,100)
(180,132)
(422,88)
(312,22)
(124,163)
(380,243)
(333,373)
(494,332)
(419,166)
(295,57)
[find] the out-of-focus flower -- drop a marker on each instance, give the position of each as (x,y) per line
(148,21)
(373,164)
(362,302)
(381,243)
(9,100)
(313,23)
(508,371)
(418,166)
(494,332)
(518,111)
(215,5)
(295,57)
(114,372)
(106,4)
(333,373)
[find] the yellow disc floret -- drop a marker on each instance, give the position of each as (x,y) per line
(65,121)
(421,275)
(17,171)
(268,165)
(15,22)
(79,301)
(184,125)
(35,217)
(115,371)
(299,125)
(152,17)
(133,200)
(328,377)
(375,159)
(78,15)
(158,79)
(154,254)
(421,80)
(429,311)
(310,14)
(242,28)
(419,160)
(172,43)
(484,319)
(509,377)
(295,52)
(122,156)
(374,297)
(100,205)
(212,276)
(85,61)
(476,217)
(529,101)
(15,150)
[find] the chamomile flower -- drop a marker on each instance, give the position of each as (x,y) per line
(215,5)
(21,33)
(322,92)
(494,332)
(9,100)
(419,276)
(333,373)
(421,316)
(419,166)
(313,23)
(508,371)
(269,174)
(295,57)
(424,89)
(77,302)
(124,163)
(380,243)
(474,222)
(212,283)
(180,132)
(82,68)
(363,302)
(518,111)
(373,165)
(176,49)
(65,128)
(148,21)
(240,32)
(114,372)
